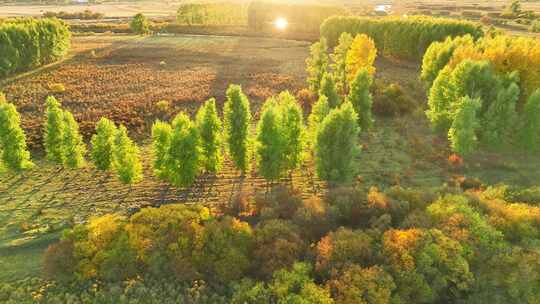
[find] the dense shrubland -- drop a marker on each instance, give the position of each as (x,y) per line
(400,37)
(485,92)
(28,43)
(394,246)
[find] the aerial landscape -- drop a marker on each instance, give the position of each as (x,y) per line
(270,151)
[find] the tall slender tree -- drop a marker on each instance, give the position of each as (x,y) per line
(209,126)
(74,147)
(161,142)
(336,146)
(328,89)
(15,155)
(54,131)
(102,144)
(462,134)
(126,158)
(271,145)
(318,112)
(237,118)
(529,137)
(339,62)
(360,98)
(292,120)
(317,64)
(183,157)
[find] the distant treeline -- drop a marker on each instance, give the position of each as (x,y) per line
(28,42)
(401,37)
(300,17)
(258,15)
(84,15)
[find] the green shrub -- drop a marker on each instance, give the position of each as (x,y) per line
(139,24)
(392,100)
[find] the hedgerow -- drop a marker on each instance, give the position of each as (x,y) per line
(405,37)
(27,43)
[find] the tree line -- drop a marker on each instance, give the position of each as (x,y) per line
(27,43)
(184,148)
(404,37)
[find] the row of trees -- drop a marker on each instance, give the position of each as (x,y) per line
(27,43)
(485,92)
(352,246)
(184,148)
(404,37)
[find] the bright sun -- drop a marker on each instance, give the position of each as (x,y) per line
(281,23)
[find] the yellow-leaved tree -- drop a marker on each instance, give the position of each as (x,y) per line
(361,55)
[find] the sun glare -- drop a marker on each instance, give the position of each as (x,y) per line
(281,23)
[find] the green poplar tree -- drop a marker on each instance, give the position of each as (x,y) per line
(271,144)
(237,118)
(161,142)
(339,62)
(529,135)
(318,112)
(336,145)
(102,144)
(183,157)
(328,89)
(360,98)
(500,117)
(15,155)
(462,133)
(126,158)
(293,129)
(317,64)
(54,131)
(74,147)
(209,126)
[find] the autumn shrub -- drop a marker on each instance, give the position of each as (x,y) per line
(392,100)
(427,266)
(278,244)
(340,249)
(57,88)
(314,217)
(357,284)
(280,202)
